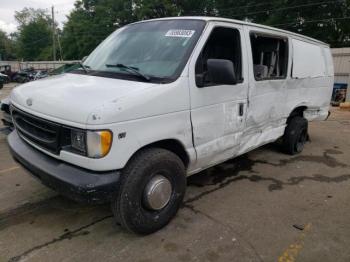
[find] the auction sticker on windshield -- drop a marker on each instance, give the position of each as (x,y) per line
(180,33)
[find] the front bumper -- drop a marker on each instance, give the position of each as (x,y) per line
(71,181)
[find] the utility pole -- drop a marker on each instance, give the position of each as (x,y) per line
(347,99)
(53,34)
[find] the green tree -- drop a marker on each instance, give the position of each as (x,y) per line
(7,47)
(197,8)
(324,20)
(92,21)
(34,40)
(255,11)
(154,9)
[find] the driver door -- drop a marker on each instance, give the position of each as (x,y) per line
(218,112)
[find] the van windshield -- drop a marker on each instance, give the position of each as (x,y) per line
(154,50)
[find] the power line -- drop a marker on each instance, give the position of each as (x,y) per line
(314,21)
(288,8)
(59,46)
(268,10)
(53,34)
(272,2)
(37,41)
(93,33)
(261,4)
(75,34)
(240,7)
(99,33)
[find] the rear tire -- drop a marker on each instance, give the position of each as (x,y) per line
(295,135)
(132,206)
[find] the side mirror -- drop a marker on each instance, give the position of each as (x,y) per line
(221,71)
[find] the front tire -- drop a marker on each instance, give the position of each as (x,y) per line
(295,135)
(152,188)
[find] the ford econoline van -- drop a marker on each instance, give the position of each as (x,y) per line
(163,99)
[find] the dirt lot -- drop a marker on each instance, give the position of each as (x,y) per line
(263,206)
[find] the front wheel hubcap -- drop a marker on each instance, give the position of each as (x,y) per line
(157,192)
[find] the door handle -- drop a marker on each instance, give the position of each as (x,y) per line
(241,109)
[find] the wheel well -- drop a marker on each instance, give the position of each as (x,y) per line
(298,111)
(174,146)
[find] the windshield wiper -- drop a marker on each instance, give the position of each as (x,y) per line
(84,67)
(131,69)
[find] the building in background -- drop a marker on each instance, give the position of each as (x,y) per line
(341,59)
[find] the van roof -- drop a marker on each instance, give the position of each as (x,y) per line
(234,21)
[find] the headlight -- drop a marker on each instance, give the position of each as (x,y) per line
(94,144)
(98,143)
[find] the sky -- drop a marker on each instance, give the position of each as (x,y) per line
(8,8)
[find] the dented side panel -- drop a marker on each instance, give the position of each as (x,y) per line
(272,101)
(266,113)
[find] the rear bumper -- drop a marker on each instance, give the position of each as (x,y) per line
(73,182)
(316,114)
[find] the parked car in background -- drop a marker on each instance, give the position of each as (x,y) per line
(7,70)
(66,68)
(24,75)
(4,78)
(5,116)
(163,99)
(40,74)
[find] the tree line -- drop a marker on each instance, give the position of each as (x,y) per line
(91,21)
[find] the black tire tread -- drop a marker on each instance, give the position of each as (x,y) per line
(140,159)
(295,124)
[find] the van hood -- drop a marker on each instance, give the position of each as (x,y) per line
(74,97)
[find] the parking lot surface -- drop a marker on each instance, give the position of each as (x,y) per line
(262,206)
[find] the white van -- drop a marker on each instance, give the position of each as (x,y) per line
(163,99)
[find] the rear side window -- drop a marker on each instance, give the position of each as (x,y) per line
(308,60)
(223,43)
(270,56)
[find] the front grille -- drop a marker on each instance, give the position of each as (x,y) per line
(41,132)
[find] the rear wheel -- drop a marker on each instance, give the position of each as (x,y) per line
(295,135)
(151,191)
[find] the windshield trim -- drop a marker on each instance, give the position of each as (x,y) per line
(122,76)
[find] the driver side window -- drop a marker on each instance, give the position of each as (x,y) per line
(223,43)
